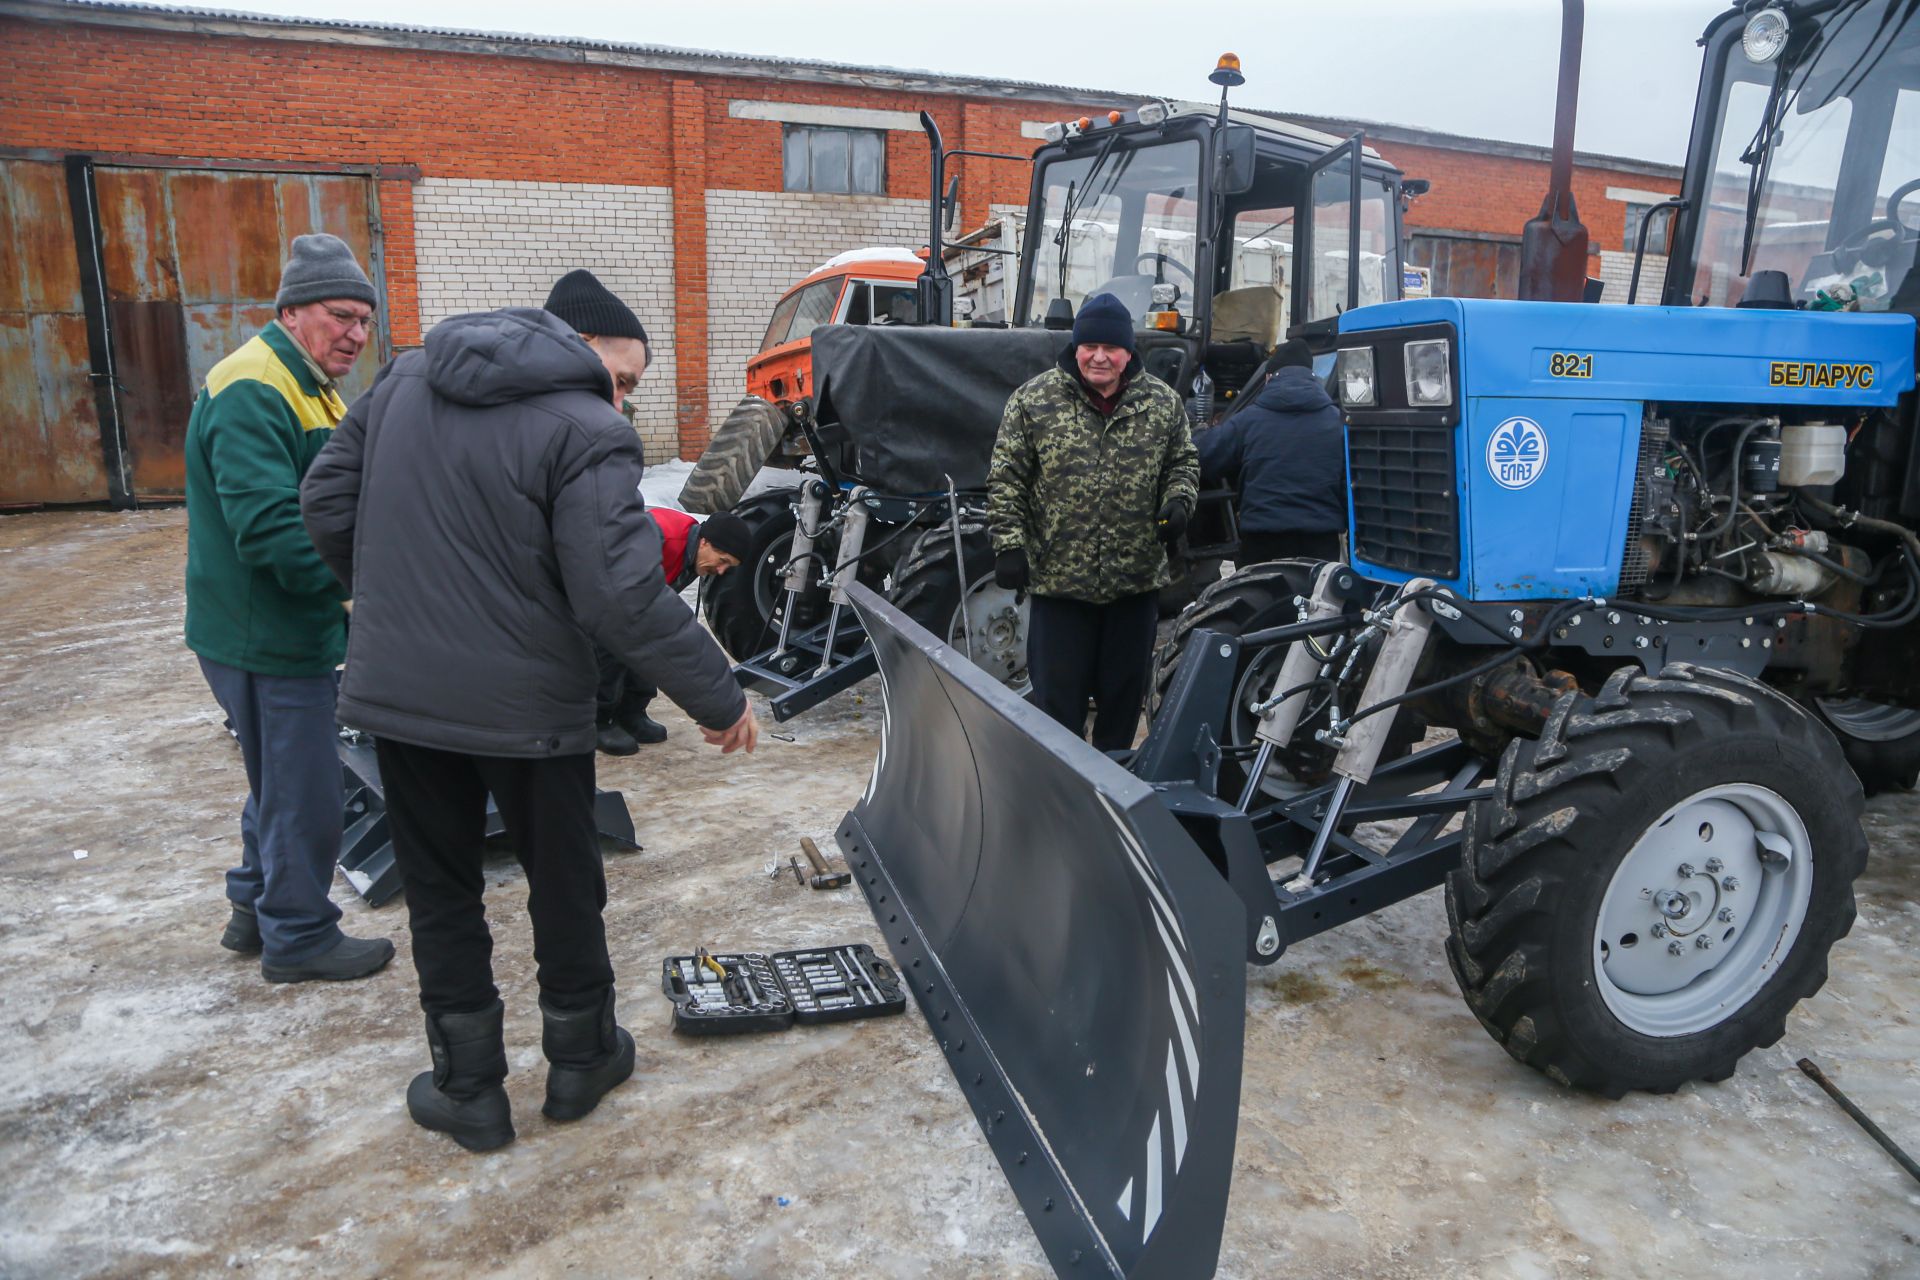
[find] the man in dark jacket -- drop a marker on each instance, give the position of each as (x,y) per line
(1092,472)
(1286,456)
(689,549)
(481,503)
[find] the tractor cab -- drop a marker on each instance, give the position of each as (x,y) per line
(1803,186)
(1223,232)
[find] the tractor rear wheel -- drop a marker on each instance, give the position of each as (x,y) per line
(926,586)
(734,453)
(1882,741)
(1656,881)
(744,607)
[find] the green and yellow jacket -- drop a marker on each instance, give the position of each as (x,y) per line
(258,595)
(1079,490)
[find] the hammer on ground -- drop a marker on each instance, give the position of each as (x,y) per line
(822,877)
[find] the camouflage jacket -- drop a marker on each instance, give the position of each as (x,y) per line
(1080,491)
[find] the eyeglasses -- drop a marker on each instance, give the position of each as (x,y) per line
(350,319)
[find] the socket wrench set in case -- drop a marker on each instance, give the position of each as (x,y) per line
(726,993)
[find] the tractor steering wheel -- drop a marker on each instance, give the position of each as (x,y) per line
(1900,193)
(1156,256)
(1862,246)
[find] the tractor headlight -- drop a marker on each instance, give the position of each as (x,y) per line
(1055,132)
(1353,371)
(1765,35)
(1152,112)
(1429,374)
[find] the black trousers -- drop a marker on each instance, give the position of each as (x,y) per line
(1255,548)
(620,694)
(1077,651)
(437,811)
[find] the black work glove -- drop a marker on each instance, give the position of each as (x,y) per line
(1171,523)
(1010,569)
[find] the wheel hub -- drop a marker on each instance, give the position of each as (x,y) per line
(996,630)
(1702,909)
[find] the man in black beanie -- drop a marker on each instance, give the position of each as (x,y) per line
(1093,474)
(481,502)
(1285,454)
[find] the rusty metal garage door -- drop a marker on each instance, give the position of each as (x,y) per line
(174,268)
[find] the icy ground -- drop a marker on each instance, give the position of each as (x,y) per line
(165,1113)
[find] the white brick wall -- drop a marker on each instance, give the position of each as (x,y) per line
(1616,268)
(483,244)
(759,243)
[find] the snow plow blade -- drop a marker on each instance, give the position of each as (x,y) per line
(1079,959)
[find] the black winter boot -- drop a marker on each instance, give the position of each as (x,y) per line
(462,1096)
(587,1054)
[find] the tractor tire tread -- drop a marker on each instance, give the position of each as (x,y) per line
(1525,841)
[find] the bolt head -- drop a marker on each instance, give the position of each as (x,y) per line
(1686,870)
(1713,866)
(1575,620)
(1703,942)
(1675,949)
(1515,615)
(1724,915)
(1226,651)
(1640,642)
(1730,884)
(1514,632)
(1749,621)
(1613,619)
(1645,620)
(1780,624)
(1746,642)
(1659,929)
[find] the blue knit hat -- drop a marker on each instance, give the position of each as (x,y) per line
(1105,320)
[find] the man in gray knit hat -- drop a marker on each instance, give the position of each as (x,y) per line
(267,617)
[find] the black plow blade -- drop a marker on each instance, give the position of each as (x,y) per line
(1079,959)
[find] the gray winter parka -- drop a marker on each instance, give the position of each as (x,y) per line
(479,504)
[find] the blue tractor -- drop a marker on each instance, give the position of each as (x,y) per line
(1630,613)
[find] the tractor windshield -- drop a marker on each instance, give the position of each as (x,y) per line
(1816,165)
(1118,219)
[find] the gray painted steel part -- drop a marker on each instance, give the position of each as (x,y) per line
(1079,959)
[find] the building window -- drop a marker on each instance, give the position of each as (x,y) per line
(1656,238)
(838,161)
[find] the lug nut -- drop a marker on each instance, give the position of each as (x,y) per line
(1675,949)
(1713,866)
(1729,884)
(1703,942)
(1724,915)
(1686,870)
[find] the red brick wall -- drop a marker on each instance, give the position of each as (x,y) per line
(66,86)
(1473,191)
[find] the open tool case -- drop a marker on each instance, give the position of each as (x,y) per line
(772,992)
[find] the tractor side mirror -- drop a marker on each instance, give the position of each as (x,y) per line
(1233,159)
(950,206)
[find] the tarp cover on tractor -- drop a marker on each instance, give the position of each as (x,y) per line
(906,406)
(1080,961)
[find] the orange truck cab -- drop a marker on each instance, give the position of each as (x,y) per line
(861,286)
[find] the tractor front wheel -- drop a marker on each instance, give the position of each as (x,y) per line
(1656,881)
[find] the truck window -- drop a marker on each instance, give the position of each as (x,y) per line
(802,311)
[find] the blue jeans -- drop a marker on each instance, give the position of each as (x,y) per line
(290,827)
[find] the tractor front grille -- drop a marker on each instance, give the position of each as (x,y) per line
(1406,505)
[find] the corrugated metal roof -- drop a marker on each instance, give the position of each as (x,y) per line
(721,61)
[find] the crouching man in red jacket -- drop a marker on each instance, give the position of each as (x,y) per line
(689,549)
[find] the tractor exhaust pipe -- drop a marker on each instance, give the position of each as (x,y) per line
(1553,245)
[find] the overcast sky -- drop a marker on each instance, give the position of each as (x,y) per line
(1479,67)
